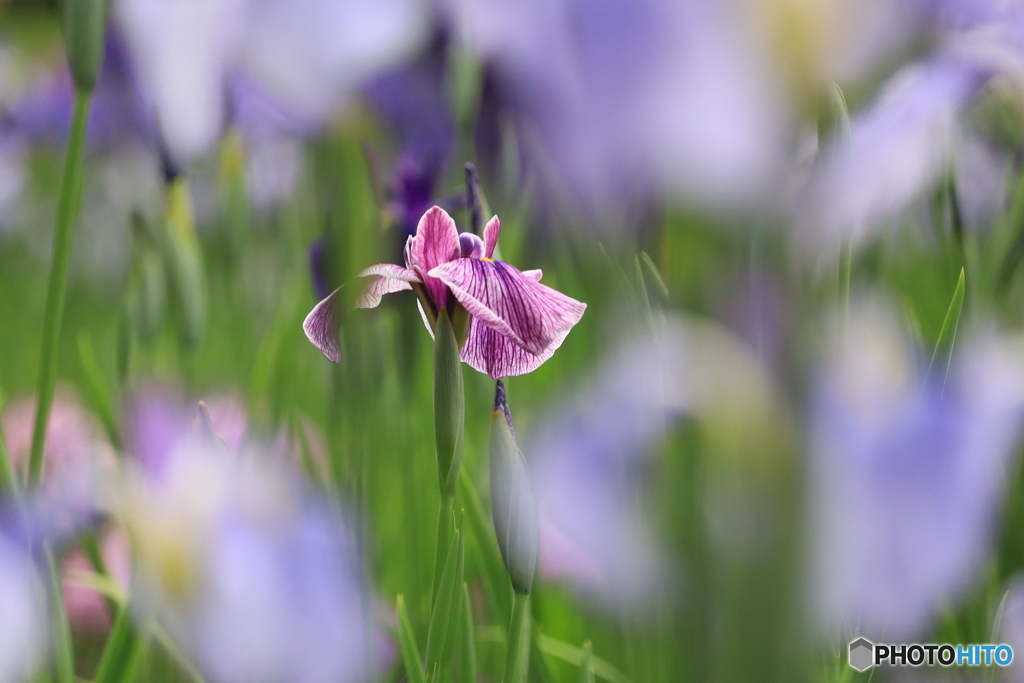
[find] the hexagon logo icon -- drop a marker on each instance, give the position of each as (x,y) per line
(862,653)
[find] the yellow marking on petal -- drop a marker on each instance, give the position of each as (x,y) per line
(484,258)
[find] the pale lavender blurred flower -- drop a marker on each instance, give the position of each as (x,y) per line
(76,456)
(255,581)
(23,628)
(912,133)
(908,474)
(612,100)
(587,460)
(309,54)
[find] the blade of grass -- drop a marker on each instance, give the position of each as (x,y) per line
(407,642)
(67,210)
(574,655)
(96,389)
(947,335)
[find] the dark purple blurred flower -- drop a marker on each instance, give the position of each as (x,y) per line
(516,322)
(908,474)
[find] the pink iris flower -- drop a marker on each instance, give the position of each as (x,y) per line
(516,323)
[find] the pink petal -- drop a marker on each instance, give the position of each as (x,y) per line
(321,328)
(436,242)
(387,278)
(534,274)
(528,313)
(491,232)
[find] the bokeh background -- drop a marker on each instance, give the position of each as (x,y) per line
(790,416)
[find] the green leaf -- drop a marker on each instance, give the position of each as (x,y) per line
(495,577)
(122,652)
(449,405)
(587,663)
(444,619)
(64,653)
(947,335)
(652,275)
(407,640)
(517,645)
(467,656)
(540,670)
(96,391)
(574,655)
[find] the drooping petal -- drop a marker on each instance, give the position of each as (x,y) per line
(530,314)
(387,278)
(436,242)
(496,355)
(491,232)
(321,328)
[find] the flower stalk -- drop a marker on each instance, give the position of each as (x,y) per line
(67,211)
(449,423)
(517,654)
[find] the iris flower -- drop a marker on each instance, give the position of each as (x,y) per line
(515,323)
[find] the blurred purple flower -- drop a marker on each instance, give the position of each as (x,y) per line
(516,322)
(910,134)
(908,474)
(309,54)
(587,460)
(255,580)
(23,629)
(616,99)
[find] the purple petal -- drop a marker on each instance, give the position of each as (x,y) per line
(494,354)
(387,278)
(471,245)
(535,274)
(528,313)
(491,232)
(321,328)
(436,243)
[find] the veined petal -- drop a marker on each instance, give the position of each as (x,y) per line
(321,328)
(392,271)
(436,242)
(530,314)
(491,232)
(387,278)
(496,355)
(535,274)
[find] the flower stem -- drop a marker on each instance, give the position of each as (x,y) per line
(67,209)
(517,654)
(444,537)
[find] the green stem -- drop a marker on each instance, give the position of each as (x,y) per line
(67,209)
(444,536)
(845,268)
(64,655)
(517,654)
(121,653)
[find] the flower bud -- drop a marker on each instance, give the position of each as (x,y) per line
(84,24)
(512,506)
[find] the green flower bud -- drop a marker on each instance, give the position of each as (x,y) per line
(512,506)
(84,25)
